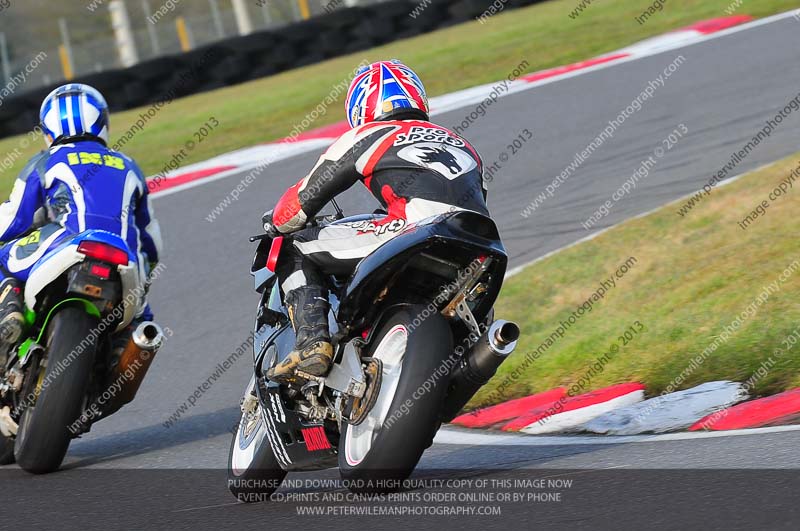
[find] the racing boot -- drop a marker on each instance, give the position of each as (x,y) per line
(12,322)
(313,352)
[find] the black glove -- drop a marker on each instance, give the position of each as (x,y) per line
(269,226)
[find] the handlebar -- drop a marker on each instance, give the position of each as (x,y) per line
(313,222)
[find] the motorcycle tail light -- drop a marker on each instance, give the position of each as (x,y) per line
(274,253)
(104,252)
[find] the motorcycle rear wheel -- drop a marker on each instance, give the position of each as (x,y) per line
(44,436)
(383,450)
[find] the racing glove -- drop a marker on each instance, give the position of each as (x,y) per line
(269,226)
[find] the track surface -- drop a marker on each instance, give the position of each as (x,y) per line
(724,92)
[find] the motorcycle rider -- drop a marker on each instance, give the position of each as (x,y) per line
(77,184)
(414,168)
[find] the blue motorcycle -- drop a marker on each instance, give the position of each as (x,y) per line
(84,353)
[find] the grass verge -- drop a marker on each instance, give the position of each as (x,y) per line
(447,60)
(692,278)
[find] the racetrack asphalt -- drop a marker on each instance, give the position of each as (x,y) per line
(723,93)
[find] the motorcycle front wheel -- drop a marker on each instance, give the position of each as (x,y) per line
(253,472)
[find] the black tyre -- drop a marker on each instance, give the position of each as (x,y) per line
(253,472)
(6,450)
(383,450)
(43,436)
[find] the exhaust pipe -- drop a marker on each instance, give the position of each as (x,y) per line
(148,336)
(134,363)
(478,365)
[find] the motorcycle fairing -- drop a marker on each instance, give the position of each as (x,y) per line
(452,240)
(286,429)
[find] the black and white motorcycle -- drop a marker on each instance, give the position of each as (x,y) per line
(414,340)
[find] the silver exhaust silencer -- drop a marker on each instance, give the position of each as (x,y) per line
(135,360)
(148,336)
(478,365)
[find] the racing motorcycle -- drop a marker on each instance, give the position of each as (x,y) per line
(80,359)
(414,339)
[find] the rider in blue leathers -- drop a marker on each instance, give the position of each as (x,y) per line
(77,184)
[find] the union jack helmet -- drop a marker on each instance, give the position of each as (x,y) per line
(385,90)
(74,110)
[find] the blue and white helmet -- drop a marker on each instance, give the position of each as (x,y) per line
(74,110)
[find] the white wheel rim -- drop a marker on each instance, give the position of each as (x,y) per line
(391,351)
(249,437)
